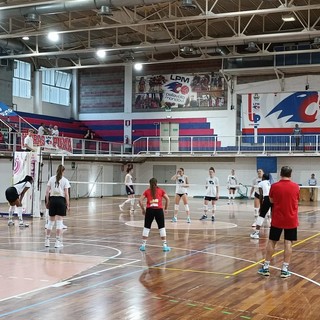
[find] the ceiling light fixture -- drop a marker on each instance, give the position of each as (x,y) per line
(25,38)
(288,17)
(138,66)
(53,36)
(252,47)
(105,11)
(316,43)
(101,53)
(188,4)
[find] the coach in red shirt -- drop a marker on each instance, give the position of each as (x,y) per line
(284,195)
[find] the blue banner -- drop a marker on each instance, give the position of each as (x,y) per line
(6,111)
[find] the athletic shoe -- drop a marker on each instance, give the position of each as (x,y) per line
(58,244)
(188,220)
(228,202)
(174,219)
(10,223)
(264,272)
(142,247)
(166,249)
(120,207)
(23,225)
(285,274)
(47,243)
(64,226)
(212,218)
(204,217)
(254,235)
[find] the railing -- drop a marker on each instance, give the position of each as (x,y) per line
(263,144)
(13,142)
(206,145)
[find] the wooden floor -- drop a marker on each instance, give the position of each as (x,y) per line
(211,272)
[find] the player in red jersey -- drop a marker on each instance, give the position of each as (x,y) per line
(154,210)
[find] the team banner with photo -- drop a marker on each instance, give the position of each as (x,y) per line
(280,110)
(170,91)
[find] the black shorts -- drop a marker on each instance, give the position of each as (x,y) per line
(181,194)
(129,191)
(210,198)
(12,194)
(266,205)
(57,206)
(151,214)
(257,195)
(232,188)
(289,234)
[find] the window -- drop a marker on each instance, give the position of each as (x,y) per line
(56,86)
(22,79)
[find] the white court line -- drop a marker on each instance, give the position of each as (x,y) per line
(66,280)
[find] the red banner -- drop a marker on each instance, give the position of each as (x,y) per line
(50,142)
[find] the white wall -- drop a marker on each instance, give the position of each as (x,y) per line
(86,173)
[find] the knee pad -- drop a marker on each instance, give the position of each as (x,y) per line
(176,207)
(186,207)
(59,224)
(162,232)
(50,225)
(132,201)
(214,207)
(205,207)
(145,232)
(259,221)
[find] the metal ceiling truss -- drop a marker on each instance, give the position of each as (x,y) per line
(154,31)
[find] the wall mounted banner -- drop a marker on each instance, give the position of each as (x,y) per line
(174,91)
(280,111)
(50,142)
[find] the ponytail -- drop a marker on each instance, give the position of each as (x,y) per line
(153,187)
(59,173)
(26,179)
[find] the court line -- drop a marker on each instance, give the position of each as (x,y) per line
(89,287)
(276,254)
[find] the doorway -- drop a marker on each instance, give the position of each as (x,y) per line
(169,137)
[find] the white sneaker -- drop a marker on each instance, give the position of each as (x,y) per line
(58,244)
(23,225)
(47,243)
(120,207)
(254,235)
(228,202)
(64,226)
(10,223)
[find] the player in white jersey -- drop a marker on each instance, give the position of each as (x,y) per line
(129,189)
(182,184)
(265,204)
(232,183)
(255,189)
(212,194)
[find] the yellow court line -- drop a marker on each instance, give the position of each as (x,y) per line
(275,254)
(170,269)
